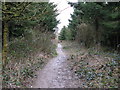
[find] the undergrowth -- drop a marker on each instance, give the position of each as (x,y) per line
(99,69)
(26,55)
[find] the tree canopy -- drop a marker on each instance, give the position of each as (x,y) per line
(19,17)
(99,20)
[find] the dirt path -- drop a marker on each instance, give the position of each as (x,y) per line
(56,74)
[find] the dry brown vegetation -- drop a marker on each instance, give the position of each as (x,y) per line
(95,68)
(26,56)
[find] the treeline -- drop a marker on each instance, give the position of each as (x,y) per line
(25,24)
(94,24)
(28,28)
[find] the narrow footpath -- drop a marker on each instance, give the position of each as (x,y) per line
(56,74)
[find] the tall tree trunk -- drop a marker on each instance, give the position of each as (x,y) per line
(97,36)
(5,43)
(96,30)
(117,42)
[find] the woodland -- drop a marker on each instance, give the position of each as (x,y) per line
(28,28)
(28,41)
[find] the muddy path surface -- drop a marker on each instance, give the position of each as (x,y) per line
(57,74)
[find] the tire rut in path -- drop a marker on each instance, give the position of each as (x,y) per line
(56,73)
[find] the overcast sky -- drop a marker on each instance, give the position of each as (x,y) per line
(65,10)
